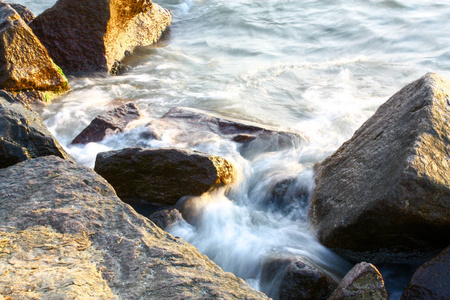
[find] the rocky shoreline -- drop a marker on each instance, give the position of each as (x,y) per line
(66,231)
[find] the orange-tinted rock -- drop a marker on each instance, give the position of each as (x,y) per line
(23,11)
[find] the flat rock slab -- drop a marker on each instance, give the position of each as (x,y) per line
(23,135)
(163,175)
(25,63)
(384,195)
(115,28)
(85,221)
(115,120)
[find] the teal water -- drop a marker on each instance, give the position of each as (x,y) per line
(320,68)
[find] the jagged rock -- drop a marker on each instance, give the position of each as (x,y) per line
(362,282)
(295,278)
(93,232)
(23,135)
(107,123)
(115,28)
(383,195)
(162,176)
(431,280)
(25,63)
(166,217)
(23,12)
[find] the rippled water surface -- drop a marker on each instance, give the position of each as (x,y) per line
(319,68)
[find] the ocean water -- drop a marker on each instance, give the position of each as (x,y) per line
(319,68)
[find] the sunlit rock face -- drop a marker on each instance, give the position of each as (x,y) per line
(388,187)
(115,27)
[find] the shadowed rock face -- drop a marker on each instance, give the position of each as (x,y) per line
(23,135)
(115,28)
(23,11)
(431,280)
(387,189)
(135,258)
(162,176)
(24,62)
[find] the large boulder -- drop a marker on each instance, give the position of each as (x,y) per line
(363,282)
(108,123)
(23,134)
(384,194)
(162,176)
(64,233)
(115,27)
(25,63)
(431,280)
(23,11)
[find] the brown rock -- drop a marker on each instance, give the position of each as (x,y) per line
(162,176)
(93,244)
(363,282)
(431,280)
(166,217)
(383,195)
(23,135)
(25,63)
(115,28)
(23,12)
(109,122)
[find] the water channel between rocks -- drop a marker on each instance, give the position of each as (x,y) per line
(318,68)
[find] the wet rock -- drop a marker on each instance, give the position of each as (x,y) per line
(295,278)
(162,176)
(23,12)
(362,282)
(288,193)
(383,195)
(108,123)
(84,221)
(115,27)
(431,280)
(25,63)
(166,217)
(23,135)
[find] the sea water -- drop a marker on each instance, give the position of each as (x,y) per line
(316,67)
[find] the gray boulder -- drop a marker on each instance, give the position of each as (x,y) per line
(165,218)
(23,11)
(362,282)
(23,134)
(65,218)
(384,194)
(162,176)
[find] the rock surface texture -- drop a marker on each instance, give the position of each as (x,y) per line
(387,189)
(166,217)
(431,280)
(162,176)
(107,123)
(69,216)
(362,282)
(23,11)
(24,62)
(115,28)
(23,135)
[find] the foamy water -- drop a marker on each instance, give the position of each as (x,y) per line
(319,68)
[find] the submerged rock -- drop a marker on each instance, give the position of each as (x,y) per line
(88,232)
(431,280)
(109,122)
(166,217)
(23,135)
(162,176)
(25,63)
(115,28)
(23,12)
(384,194)
(363,282)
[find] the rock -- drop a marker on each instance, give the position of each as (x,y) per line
(115,28)
(166,217)
(383,195)
(23,135)
(162,176)
(295,278)
(362,282)
(23,12)
(107,123)
(25,63)
(68,214)
(431,280)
